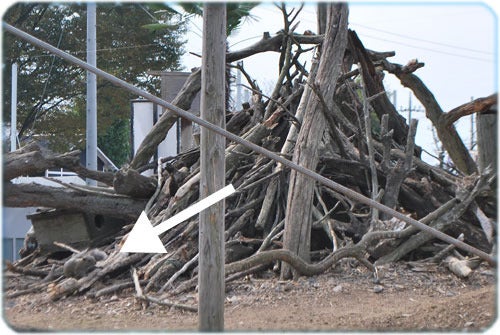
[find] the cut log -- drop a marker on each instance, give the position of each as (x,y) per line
(35,195)
(130,182)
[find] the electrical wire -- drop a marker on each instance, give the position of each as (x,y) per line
(48,77)
(244,40)
(310,12)
(423,40)
(428,49)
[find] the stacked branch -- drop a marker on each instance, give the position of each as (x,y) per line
(337,121)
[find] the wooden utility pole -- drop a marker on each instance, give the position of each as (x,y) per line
(212,159)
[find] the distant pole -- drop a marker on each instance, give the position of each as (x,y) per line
(13,110)
(472,127)
(409,108)
(238,87)
(91,155)
(212,168)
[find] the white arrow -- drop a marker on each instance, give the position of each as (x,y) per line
(145,238)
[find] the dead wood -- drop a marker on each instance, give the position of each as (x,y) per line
(464,198)
(116,288)
(300,192)
(320,112)
(35,195)
(33,160)
(26,270)
(268,43)
(399,171)
(480,105)
(446,132)
(443,253)
(157,134)
(374,86)
(168,303)
(458,267)
(487,129)
(130,182)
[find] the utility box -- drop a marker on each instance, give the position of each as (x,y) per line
(77,229)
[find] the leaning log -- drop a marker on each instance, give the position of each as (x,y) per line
(300,193)
(446,132)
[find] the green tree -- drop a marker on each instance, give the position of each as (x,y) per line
(111,142)
(51,92)
(236,12)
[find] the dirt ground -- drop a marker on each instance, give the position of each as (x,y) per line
(348,298)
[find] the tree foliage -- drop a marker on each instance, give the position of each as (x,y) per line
(51,92)
(237,12)
(111,142)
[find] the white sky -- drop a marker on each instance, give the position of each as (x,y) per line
(456,41)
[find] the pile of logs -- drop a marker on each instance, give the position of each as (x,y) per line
(335,120)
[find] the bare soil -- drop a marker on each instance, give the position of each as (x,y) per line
(405,298)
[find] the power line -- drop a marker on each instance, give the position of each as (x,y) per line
(309,12)
(100,50)
(429,49)
(246,39)
(424,40)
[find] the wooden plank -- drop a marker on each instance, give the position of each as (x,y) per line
(212,167)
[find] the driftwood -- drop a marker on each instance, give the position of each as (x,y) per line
(480,105)
(34,160)
(460,267)
(299,200)
(446,131)
(130,182)
(325,111)
(33,195)
(141,296)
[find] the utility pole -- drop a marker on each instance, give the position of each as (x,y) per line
(91,137)
(394,96)
(472,128)
(211,293)
(238,87)
(409,108)
(13,109)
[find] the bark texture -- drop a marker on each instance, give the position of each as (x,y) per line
(298,222)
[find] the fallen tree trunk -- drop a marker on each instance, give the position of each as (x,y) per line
(33,160)
(35,195)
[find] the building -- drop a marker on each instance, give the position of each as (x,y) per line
(144,114)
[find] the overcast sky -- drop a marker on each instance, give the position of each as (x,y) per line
(456,41)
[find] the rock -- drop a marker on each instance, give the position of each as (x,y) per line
(338,289)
